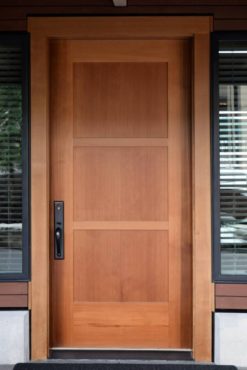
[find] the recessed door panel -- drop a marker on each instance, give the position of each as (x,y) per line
(110,98)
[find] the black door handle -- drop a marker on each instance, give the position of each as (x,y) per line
(58,235)
(59,230)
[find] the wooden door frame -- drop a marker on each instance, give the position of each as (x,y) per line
(198,30)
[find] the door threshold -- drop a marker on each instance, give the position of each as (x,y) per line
(121,354)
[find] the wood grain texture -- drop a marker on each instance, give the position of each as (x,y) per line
(187,2)
(179,203)
(227,10)
(121,92)
(40,197)
(120,184)
(9,24)
(121,225)
(13,295)
(13,301)
(231,296)
(140,324)
(29,295)
(60,28)
(230,290)
(231,303)
(118,277)
(138,315)
(202,263)
(14,288)
(227,14)
(186,210)
(120,28)
(47,3)
(230,24)
(81,142)
(218,11)
(131,3)
(61,182)
(99,49)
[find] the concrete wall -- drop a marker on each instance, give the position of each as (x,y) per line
(14,336)
(231,338)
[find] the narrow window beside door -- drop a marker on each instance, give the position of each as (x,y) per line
(14,239)
(230,156)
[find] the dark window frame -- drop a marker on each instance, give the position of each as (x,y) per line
(216,37)
(22,40)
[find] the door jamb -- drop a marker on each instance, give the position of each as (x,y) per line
(145,27)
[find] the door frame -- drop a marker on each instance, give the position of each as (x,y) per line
(197,29)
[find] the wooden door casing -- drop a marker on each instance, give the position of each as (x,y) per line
(120,160)
(196,29)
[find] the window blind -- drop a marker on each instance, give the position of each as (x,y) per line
(232,77)
(11,117)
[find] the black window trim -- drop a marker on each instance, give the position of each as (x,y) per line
(22,39)
(216,37)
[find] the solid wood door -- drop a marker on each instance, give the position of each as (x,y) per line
(120,161)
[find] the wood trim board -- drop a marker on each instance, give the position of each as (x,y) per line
(231,303)
(195,28)
(202,264)
(14,288)
(227,15)
(13,295)
(13,301)
(231,290)
(231,296)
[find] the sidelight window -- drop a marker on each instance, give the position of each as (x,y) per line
(230,156)
(14,240)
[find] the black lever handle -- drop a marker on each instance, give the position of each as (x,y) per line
(59,230)
(58,235)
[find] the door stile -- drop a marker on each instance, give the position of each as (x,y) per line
(62,171)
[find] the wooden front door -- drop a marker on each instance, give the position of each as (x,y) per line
(121,162)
